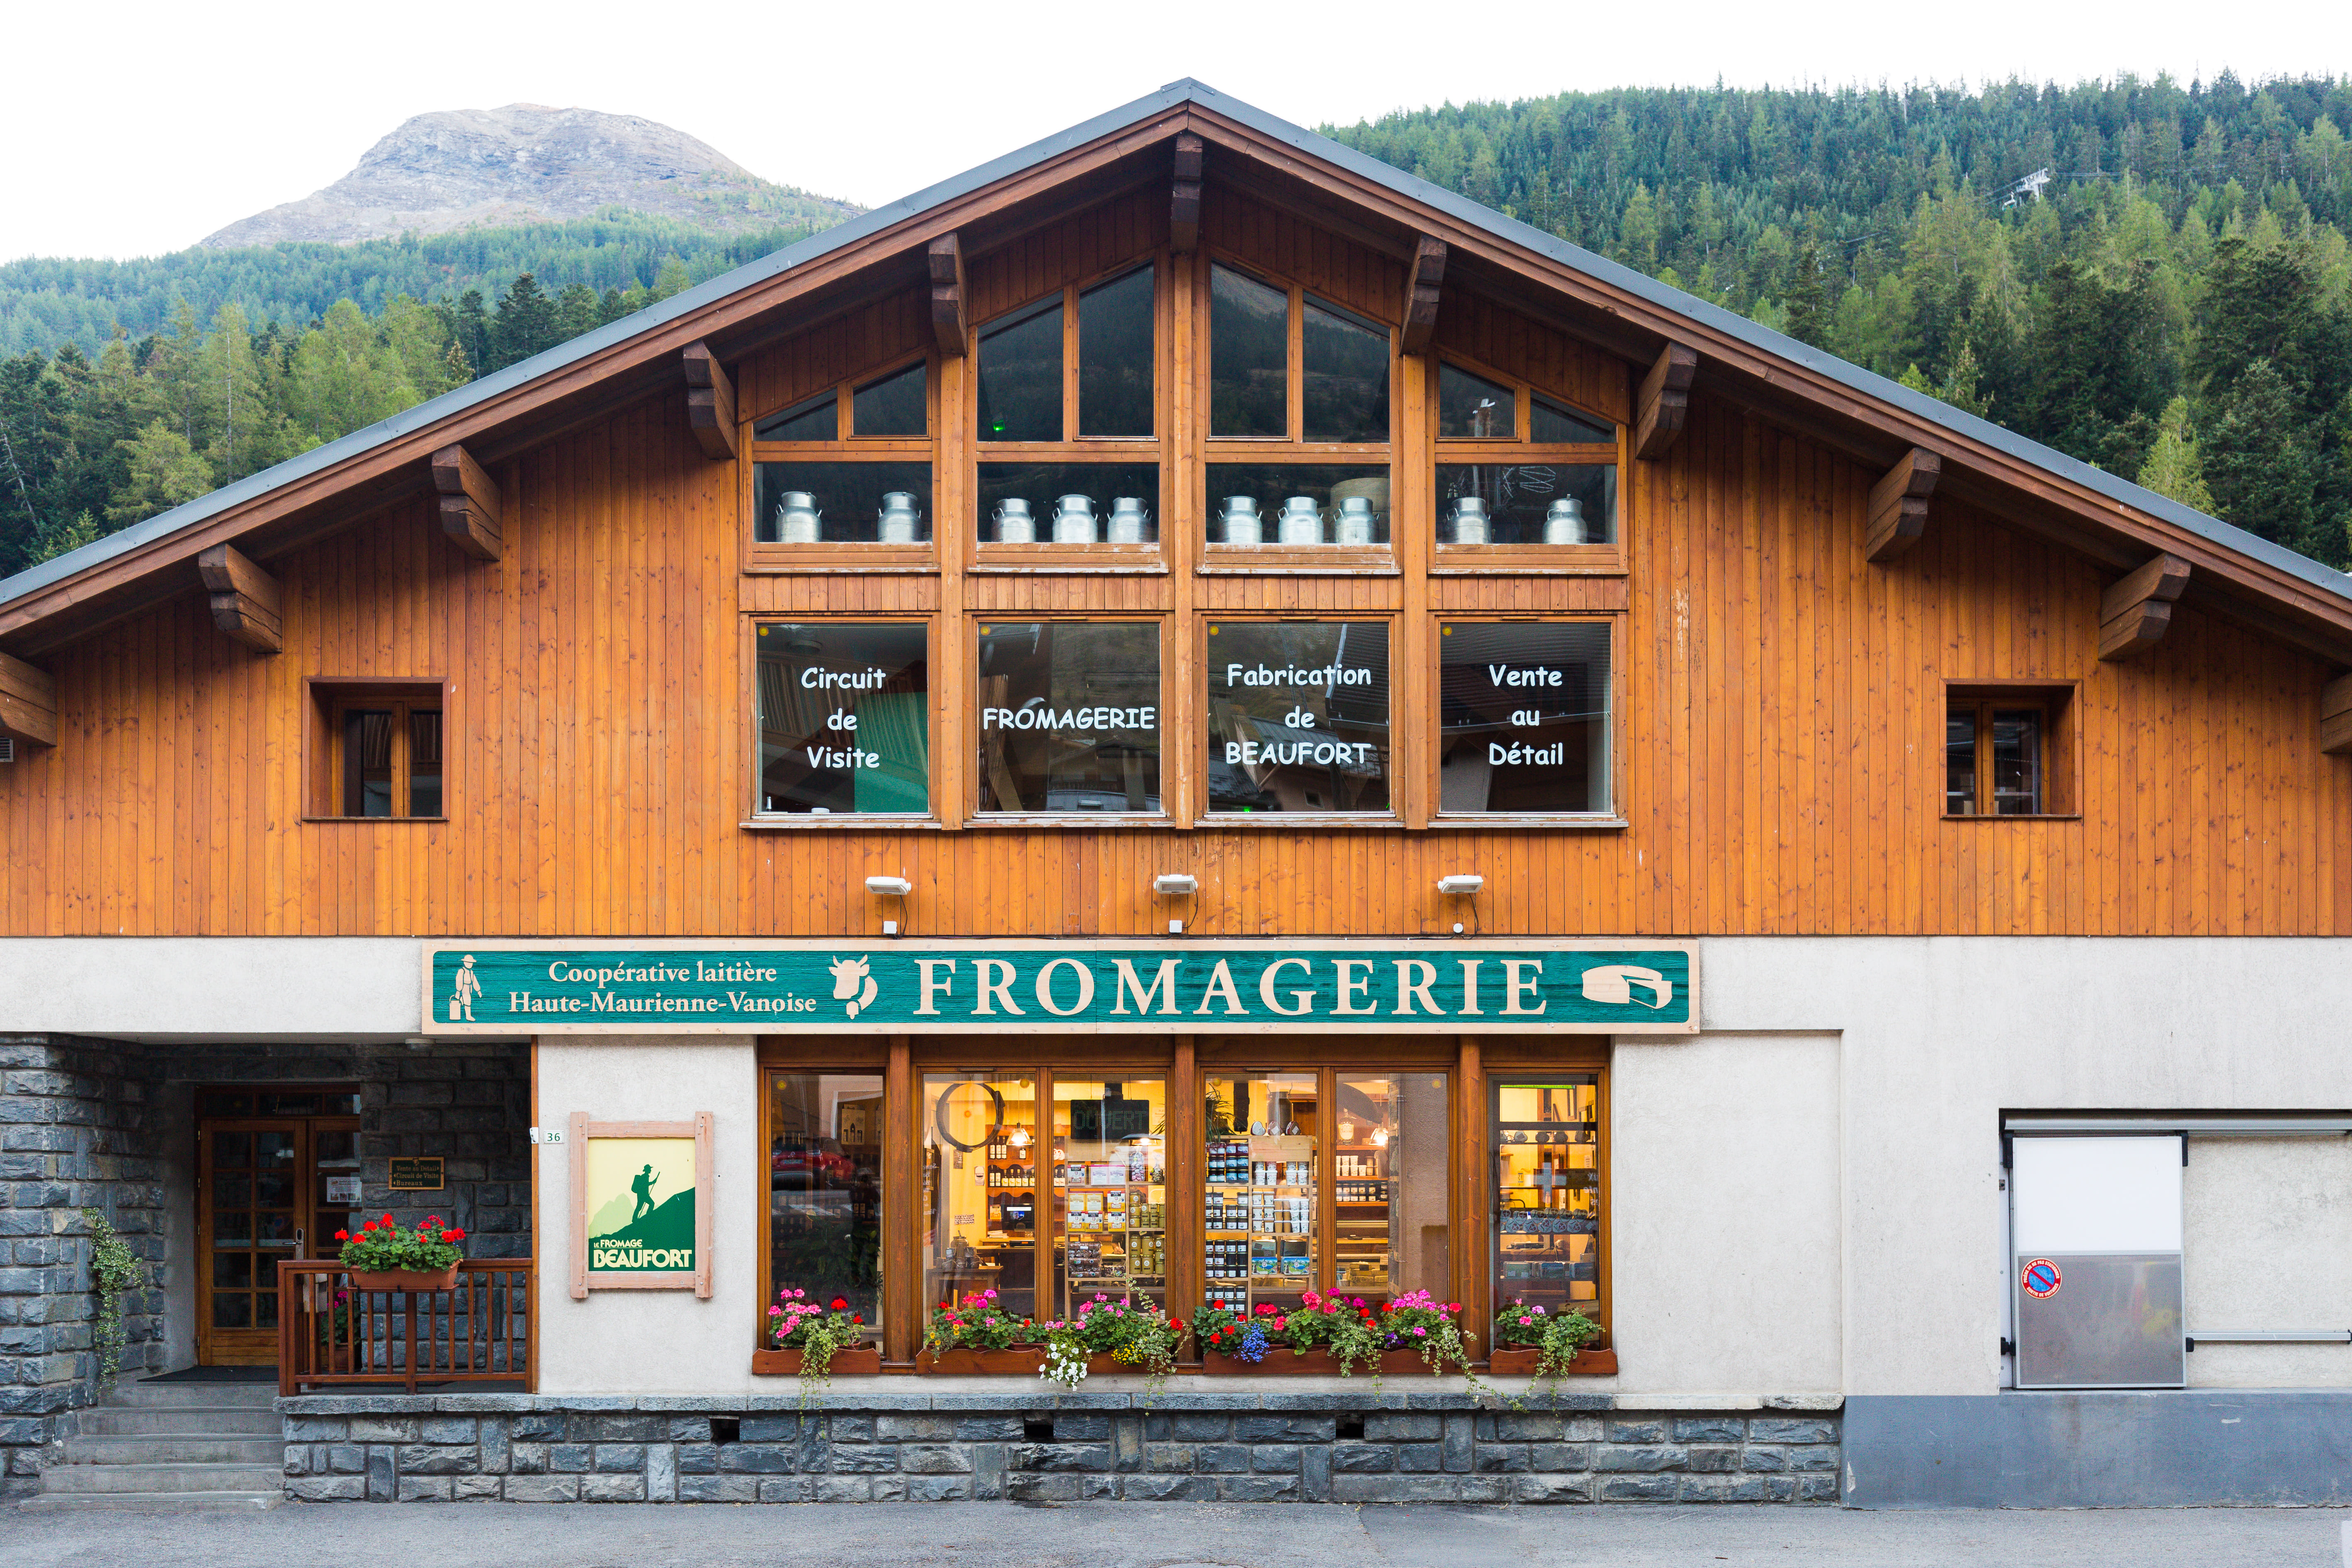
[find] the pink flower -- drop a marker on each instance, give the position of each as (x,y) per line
(1526,1323)
(1424,1332)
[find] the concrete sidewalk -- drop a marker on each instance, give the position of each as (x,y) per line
(1179,1535)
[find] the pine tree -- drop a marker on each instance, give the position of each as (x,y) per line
(1807,300)
(673,278)
(577,310)
(165,472)
(525,324)
(2259,465)
(2174,466)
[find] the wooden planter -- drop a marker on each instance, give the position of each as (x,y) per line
(415,1280)
(850,1360)
(1511,1361)
(1318,1363)
(982,1363)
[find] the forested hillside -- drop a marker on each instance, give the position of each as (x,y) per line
(2173,301)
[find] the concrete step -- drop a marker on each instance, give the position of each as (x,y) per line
(197,1449)
(184,1502)
(245,1394)
(202,1420)
(161,1478)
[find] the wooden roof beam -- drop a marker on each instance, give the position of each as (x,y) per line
(248,604)
(709,402)
(950,327)
(1184,208)
(1899,505)
(1423,283)
(2336,717)
(469,502)
(2135,613)
(28,702)
(1663,405)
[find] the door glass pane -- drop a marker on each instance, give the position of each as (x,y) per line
(1249,357)
(273,1190)
(1527,504)
(1548,424)
(367,763)
(979,1215)
(232,1151)
(1298,716)
(424,764)
(1389,1190)
(894,406)
(274,1151)
(842,503)
(2017,762)
(1960,762)
(1264,1217)
(1069,716)
(273,1229)
(232,1190)
(817,419)
(844,715)
(335,1148)
(1344,376)
(232,1227)
(1298,504)
(233,1270)
(824,1189)
(1111,1193)
(1115,357)
(1524,716)
(1021,378)
(265,1303)
(232,1310)
(1547,1141)
(1472,408)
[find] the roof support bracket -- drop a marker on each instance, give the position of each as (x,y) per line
(469,502)
(1184,209)
(1664,402)
(2135,613)
(1421,286)
(28,702)
(1899,505)
(709,403)
(950,325)
(248,605)
(2334,717)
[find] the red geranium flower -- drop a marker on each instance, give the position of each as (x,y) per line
(343,1236)
(840,1304)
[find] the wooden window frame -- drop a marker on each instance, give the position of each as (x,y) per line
(1432,724)
(836,557)
(2055,701)
(756,820)
(1524,560)
(1174,806)
(990,556)
(330,699)
(1401,750)
(1217,559)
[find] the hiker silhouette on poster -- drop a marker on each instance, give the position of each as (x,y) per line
(643,1188)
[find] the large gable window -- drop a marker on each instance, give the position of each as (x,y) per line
(848,468)
(1525,481)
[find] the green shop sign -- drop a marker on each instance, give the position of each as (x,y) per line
(1524,987)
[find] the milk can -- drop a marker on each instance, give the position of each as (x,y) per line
(1302,522)
(1128,520)
(1074,520)
(1013,524)
(1355,524)
(797,520)
(1564,522)
(1469,520)
(1242,524)
(899,518)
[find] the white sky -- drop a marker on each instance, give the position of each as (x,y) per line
(132,128)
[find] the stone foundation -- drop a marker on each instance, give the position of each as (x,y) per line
(911,1443)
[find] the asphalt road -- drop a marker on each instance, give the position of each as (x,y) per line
(1177,1536)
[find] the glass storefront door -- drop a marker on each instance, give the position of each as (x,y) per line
(1546,1237)
(268,1188)
(1110,1191)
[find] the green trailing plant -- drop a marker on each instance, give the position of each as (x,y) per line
(1556,1337)
(114,1272)
(1133,1334)
(817,1332)
(976,1323)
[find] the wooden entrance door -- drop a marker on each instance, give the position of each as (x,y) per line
(263,1193)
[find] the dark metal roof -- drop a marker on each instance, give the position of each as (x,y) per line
(1322,148)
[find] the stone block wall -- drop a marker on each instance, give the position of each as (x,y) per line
(1183,1447)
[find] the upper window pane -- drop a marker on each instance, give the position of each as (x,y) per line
(815,420)
(1021,378)
(2017,762)
(1550,425)
(1115,357)
(1069,716)
(842,503)
(1249,357)
(1527,504)
(844,718)
(1344,376)
(1960,762)
(1298,504)
(1472,408)
(367,763)
(425,762)
(1070,503)
(1524,716)
(1298,716)
(894,405)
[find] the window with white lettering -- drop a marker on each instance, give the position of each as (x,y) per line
(1298,716)
(1524,719)
(843,719)
(1069,716)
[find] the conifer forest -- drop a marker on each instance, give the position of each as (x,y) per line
(2150,276)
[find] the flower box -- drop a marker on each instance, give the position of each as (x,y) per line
(1283,1361)
(1016,1363)
(1519,1361)
(417,1280)
(850,1360)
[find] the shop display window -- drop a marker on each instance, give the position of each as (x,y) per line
(1547,1221)
(1263,1233)
(1525,723)
(1298,716)
(979,1216)
(1298,505)
(1057,502)
(1069,717)
(852,502)
(1109,1210)
(1388,1149)
(1527,504)
(824,1189)
(843,712)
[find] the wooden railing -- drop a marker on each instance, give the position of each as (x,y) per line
(331,1333)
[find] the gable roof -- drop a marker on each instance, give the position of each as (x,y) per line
(2319,596)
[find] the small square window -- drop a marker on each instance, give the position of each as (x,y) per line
(378,750)
(2005,752)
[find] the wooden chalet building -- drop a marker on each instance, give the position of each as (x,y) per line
(1187,716)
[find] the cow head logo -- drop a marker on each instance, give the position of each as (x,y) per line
(847,972)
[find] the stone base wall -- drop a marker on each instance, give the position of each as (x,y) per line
(1385,1447)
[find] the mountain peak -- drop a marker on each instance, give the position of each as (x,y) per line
(527,163)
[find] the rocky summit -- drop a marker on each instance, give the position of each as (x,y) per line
(526,163)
